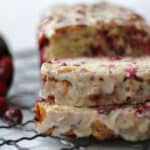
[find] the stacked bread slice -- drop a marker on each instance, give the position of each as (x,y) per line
(106,94)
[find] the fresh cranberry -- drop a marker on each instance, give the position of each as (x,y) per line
(3,88)
(3,104)
(13,116)
(5,68)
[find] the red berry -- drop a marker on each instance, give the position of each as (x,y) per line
(3,88)
(3,104)
(13,115)
(131,72)
(5,68)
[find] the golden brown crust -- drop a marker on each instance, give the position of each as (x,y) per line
(101,132)
(70,133)
(39,113)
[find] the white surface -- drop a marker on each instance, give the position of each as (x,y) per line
(18,18)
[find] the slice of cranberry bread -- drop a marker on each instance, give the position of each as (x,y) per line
(99,29)
(88,82)
(131,123)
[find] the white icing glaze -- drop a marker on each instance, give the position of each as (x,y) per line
(96,80)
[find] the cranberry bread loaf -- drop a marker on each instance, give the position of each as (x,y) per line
(131,123)
(86,82)
(100,29)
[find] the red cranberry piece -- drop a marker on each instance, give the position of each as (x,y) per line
(3,88)
(13,115)
(131,72)
(3,104)
(5,68)
(142,108)
(104,110)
